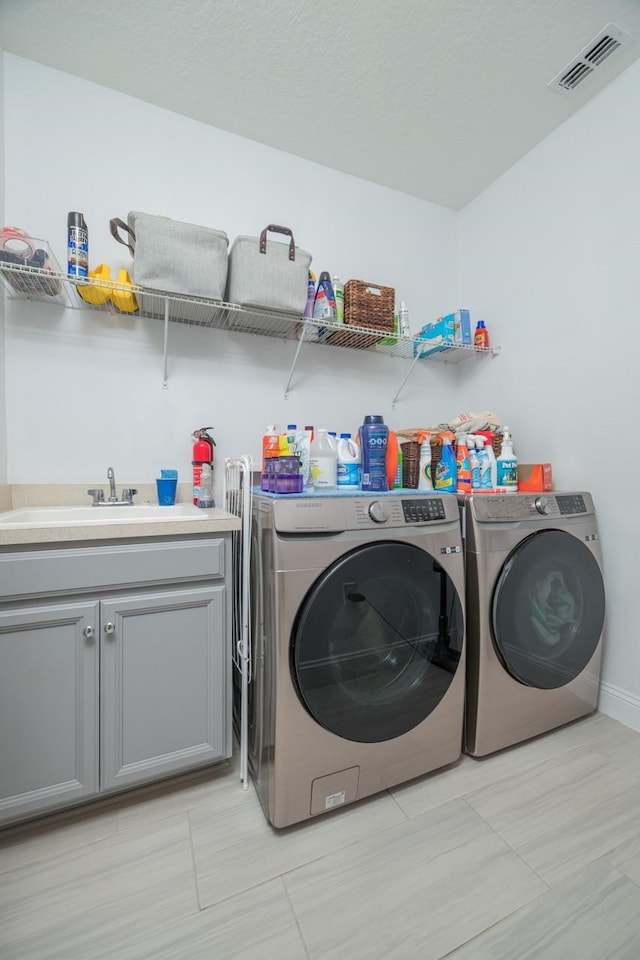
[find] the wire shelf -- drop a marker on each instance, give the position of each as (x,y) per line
(126,299)
(49,286)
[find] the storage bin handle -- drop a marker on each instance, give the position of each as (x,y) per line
(116,223)
(274,228)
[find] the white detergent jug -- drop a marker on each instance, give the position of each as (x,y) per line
(348,463)
(323,461)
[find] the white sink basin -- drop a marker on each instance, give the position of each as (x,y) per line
(83,516)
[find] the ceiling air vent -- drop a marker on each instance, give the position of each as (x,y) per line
(611,39)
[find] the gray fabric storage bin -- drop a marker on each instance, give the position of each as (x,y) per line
(267,274)
(175,257)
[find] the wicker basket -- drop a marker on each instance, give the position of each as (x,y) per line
(410,464)
(368,305)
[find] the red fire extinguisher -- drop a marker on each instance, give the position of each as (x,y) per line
(202,453)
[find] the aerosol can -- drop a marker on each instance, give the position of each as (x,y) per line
(202,453)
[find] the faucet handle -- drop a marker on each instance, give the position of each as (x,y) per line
(128,494)
(98,495)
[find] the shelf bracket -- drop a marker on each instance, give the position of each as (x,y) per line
(165,380)
(294,362)
(408,374)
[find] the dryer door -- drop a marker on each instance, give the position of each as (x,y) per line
(377,642)
(548,609)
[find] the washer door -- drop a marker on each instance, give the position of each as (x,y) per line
(548,609)
(377,642)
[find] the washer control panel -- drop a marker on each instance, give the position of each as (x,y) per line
(419,511)
(571,503)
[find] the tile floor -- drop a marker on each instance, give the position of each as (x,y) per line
(532,853)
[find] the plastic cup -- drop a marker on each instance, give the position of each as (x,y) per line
(166,491)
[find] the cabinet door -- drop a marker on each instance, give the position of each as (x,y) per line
(165,675)
(48,707)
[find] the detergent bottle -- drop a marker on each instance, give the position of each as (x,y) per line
(446,478)
(507,466)
(424,470)
(323,464)
(463,464)
(374,437)
(324,306)
(348,463)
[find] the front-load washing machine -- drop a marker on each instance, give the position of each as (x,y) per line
(535,607)
(358,647)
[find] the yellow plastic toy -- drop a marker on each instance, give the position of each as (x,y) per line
(122,295)
(96,295)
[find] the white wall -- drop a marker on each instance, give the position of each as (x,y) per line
(85,391)
(550,255)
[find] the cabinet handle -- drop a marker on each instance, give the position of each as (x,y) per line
(89,633)
(109,628)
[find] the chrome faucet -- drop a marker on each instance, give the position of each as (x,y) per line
(126,499)
(111,477)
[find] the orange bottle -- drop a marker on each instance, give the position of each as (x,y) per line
(391,461)
(481,336)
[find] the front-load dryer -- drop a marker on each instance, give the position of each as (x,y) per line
(358,647)
(535,608)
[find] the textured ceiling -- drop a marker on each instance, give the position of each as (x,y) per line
(436,98)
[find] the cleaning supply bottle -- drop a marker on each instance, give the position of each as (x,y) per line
(481,335)
(507,466)
(474,462)
(374,437)
(77,245)
(270,448)
(348,463)
(446,478)
(488,446)
(392,459)
(324,305)
(287,442)
(424,470)
(397,480)
(303,451)
(323,463)
(463,464)
(311,294)
(403,317)
(338,292)
(485,465)
(205,492)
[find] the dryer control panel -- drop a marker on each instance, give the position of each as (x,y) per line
(543,506)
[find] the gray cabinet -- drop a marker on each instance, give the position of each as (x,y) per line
(48,707)
(114,668)
(161,663)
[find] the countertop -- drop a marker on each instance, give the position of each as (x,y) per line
(15,496)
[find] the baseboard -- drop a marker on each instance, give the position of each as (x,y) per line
(620,705)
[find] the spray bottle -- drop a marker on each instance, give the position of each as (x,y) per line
(202,453)
(474,461)
(485,464)
(446,473)
(507,466)
(463,464)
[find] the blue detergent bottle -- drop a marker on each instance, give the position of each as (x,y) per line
(374,437)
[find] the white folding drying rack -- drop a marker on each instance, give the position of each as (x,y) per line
(238,501)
